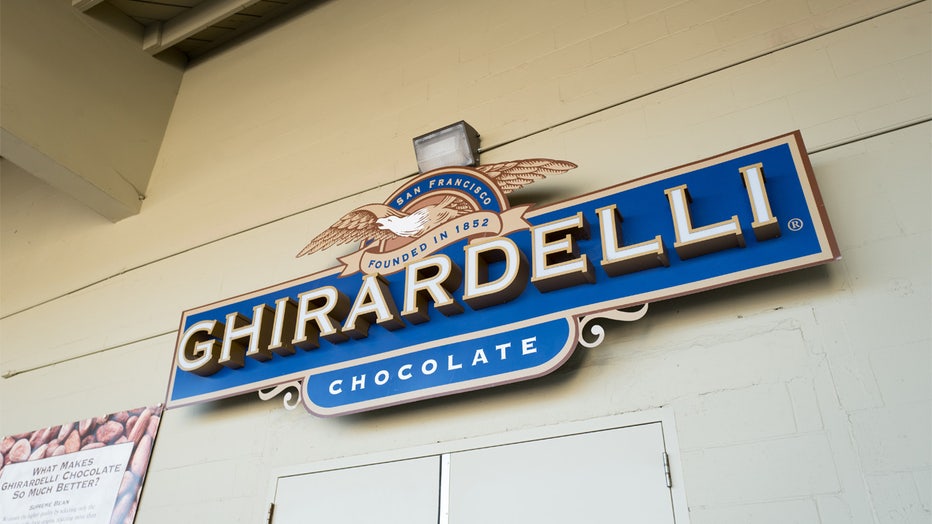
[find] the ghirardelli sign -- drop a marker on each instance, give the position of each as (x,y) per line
(452,289)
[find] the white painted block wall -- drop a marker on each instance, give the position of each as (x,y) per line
(799,398)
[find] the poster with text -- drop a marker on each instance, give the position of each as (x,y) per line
(85,472)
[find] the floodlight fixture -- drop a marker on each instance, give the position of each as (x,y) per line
(454,145)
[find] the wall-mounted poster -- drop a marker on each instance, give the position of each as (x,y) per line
(85,472)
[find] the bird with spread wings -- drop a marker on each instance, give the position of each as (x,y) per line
(379,222)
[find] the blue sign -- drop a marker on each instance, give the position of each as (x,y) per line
(452,289)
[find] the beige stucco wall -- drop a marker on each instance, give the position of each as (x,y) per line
(83,106)
(799,398)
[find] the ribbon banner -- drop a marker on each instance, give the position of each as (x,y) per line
(372,260)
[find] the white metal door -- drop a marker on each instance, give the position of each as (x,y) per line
(402,492)
(608,475)
(615,475)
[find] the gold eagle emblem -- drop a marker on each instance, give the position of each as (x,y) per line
(379,222)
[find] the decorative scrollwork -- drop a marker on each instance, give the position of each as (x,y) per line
(289,400)
(598,331)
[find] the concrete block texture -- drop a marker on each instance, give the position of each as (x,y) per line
(746,474)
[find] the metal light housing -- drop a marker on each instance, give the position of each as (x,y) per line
(454,145)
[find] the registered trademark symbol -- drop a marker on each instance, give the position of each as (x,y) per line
(795,224)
